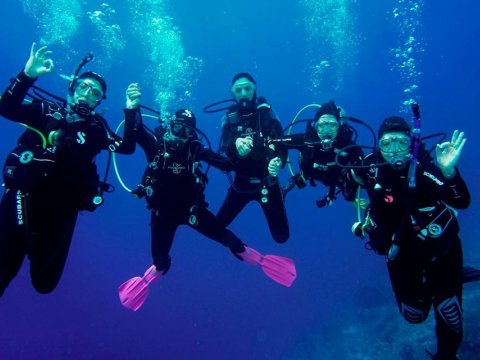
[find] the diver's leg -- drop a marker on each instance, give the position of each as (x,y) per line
(445,275)
(163,226)
(232,206)
(412,295)
(52,220)
(276,214)
(13,229)
(210,226)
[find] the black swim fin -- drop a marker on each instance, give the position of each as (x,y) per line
(470,274)
(435,356)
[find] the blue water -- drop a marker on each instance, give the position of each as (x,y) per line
(211,306)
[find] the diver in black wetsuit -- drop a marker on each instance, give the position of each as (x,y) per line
(173,186)
(51,175)
(319,147)
(417,228)
(246,130)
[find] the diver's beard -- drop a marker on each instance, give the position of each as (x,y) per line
(245,105)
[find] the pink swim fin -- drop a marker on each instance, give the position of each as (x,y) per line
(134,292)
(278,268)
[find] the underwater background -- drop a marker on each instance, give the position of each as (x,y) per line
(371,56)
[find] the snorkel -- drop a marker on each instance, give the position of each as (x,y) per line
(82,109)
(71,86)
(416,139)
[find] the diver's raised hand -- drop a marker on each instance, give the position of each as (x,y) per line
(38,63)
(449,152)
(133,95)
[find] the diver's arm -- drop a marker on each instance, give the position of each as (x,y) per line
(228,140)
(215,159)
(458,195)
(133,119)
(355,156)
(11,102)
(147,142)
(453,190)
(348,181)
(133,122)
(444,178)
(360,175)
(350,186)
(354,177)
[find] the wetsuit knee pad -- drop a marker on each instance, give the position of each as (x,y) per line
(412,314)
(451,313)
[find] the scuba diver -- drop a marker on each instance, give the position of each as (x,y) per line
(173,185)
(247,128)
(50,175)
(325,139)
(412,222)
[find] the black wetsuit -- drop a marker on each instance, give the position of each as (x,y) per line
(47,185)
(252,181)
(173,186)
(418,232)
(320,164)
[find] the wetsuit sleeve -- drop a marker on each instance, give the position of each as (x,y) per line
(133,122)
(359,176)
(215,159)
(355,155)
(350,185)
(147,141)
(228,140)
(453,191)
(12,106)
